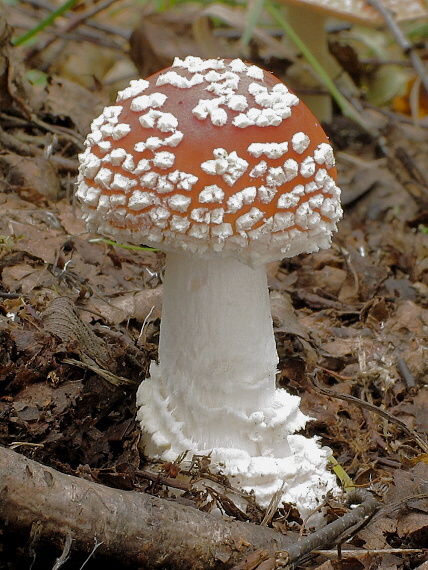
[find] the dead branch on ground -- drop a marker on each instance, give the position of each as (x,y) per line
(134,528)
(139,529)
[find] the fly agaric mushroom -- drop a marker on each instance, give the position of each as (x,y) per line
(219,165)
(308,20)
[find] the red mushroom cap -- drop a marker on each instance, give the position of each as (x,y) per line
(211,156)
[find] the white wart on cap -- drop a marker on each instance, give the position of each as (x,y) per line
(211,156)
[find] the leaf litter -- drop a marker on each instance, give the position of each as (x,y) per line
(354,318)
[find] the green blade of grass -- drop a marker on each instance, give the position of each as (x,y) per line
(346,482)
(50,18)
(253,18)
(124,246)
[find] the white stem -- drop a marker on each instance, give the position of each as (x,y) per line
(213,391)
(216,332)
(217,356)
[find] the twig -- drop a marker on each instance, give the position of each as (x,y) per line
(252,562)
(412,169)
(370,552)
(4,295)
(106,28)
(333,533)
(72,24)
(106,374)
(330,534)
(64,132)
(372,408)
(13,143)
(97,545)
(31,119)
(395,117)
(65,554)
(89,13)
(162,480)
(405,503)
(10,142)
(402,41)
(405,373)
(273,506)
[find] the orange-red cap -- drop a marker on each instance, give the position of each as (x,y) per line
(211,156)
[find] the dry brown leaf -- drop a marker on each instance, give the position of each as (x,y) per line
(413,526)
(134,305)
(66,100)
(341,347)
(327,280)
(41,242)
(161,36)
(375,536)
(411,317)
(42,396)
(70,218)
(284,316)
(415,412)
(25,278)
(33,179)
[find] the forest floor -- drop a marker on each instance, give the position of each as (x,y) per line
(351,323)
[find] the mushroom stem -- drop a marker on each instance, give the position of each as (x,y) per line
(217,353)
(213,391)
(217,333)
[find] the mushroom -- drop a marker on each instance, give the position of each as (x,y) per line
(308,20)
(219,165)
